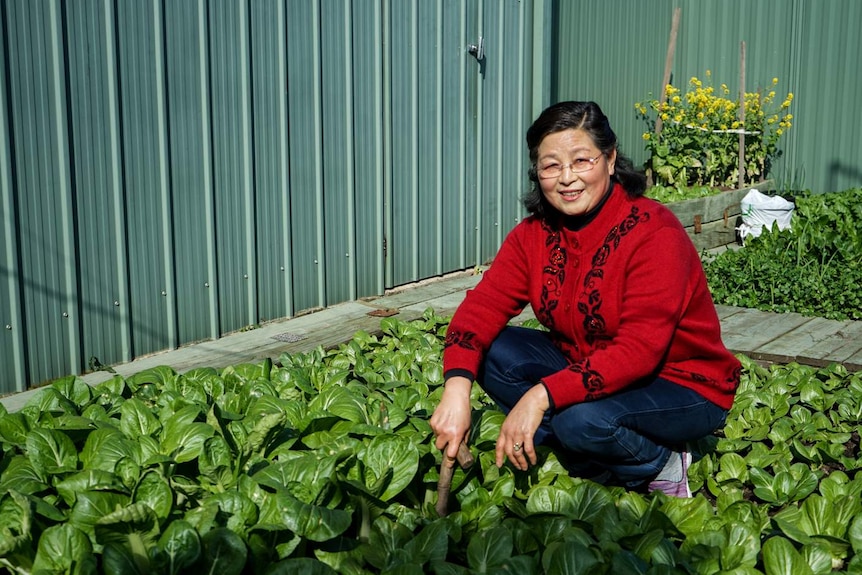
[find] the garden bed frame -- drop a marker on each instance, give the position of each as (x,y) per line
(711,221)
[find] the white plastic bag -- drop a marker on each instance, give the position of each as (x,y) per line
(760,210)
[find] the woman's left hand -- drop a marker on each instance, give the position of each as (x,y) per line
(519,428)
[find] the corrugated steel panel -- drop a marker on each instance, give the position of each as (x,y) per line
(427,111)
(40,159)
(811,47)
(12,358)
(458,129)
(433,136)
(336,52)
(191,170)
(226,163)
(271,167)
(368,164)
(403,241)
(97,168)
(506,114)
(453,201)
(825,150)
(306,161)
(143,120)
(232,163)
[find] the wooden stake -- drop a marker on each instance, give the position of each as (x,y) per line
(741,182)
(668,64)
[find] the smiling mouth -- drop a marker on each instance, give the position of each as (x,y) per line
(571,195)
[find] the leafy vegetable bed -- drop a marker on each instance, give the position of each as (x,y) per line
(324,463)
(814,268)
(668,194)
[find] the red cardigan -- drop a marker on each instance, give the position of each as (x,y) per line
(625,298)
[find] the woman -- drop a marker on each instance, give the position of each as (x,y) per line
(632,365)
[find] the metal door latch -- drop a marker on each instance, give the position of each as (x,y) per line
(477,50)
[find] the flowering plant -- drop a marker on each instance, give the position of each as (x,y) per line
(698,144)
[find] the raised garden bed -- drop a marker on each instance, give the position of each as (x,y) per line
(711,221)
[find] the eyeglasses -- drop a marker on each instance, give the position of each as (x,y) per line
(578,166)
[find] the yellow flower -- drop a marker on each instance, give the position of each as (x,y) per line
(665,116)
(676,99)
(708,73)
(646,136)
(779,131)
(774,81)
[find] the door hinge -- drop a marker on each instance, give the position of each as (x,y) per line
(385,247)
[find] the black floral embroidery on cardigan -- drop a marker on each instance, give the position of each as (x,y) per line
(593,382)
(591,299)
(731,382)
(736,376)
(554,276)
(463,339)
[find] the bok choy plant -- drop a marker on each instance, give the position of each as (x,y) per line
(323,462)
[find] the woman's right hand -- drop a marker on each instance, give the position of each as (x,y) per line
(451,419)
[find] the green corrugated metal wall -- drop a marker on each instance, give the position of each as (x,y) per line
(41,199)
(614,52)
(174,170)
(191,162)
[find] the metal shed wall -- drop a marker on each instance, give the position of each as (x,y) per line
(614,52)
(173,171)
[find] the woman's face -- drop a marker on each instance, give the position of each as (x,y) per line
(571,193)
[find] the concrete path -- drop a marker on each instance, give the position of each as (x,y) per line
(764,336)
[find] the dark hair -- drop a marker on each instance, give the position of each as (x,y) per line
(586,116)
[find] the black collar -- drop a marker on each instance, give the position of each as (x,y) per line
(577,223)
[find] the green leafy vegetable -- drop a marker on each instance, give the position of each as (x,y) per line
(324,463)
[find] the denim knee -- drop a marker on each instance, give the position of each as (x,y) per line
(517,359)
(583,430)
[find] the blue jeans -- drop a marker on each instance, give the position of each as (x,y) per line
(631,433)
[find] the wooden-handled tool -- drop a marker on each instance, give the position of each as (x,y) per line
(447,469)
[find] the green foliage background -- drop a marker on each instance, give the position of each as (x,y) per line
(699,140)
(814,268)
